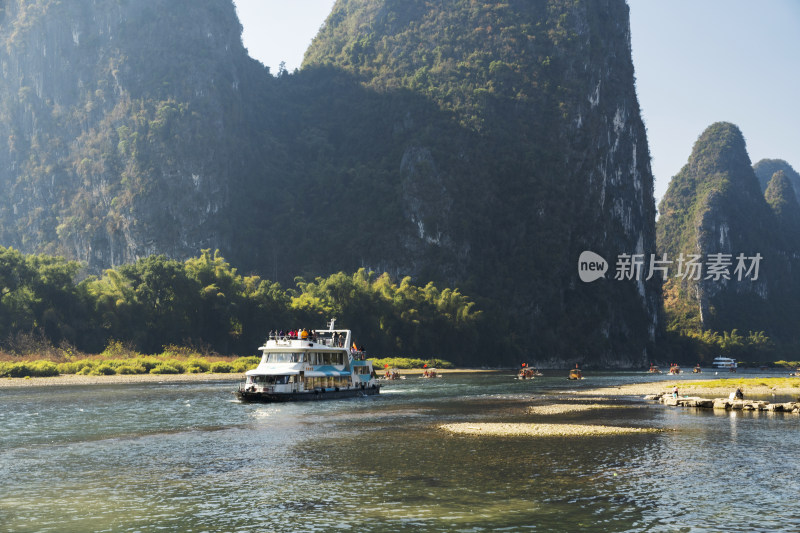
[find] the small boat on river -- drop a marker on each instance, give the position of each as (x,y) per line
(575,373)
(674,369)
(428,373)
(317,367)
(654,369)
(391,375)
(527,372)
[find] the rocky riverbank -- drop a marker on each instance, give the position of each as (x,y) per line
(725,403)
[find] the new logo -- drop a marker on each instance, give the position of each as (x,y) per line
(591,266)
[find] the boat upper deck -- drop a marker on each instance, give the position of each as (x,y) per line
(336,339)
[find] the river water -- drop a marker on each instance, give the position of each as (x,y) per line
(186,457)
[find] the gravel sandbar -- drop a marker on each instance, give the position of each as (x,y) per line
(540,430)
(561,408)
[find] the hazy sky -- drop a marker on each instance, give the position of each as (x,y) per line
(697,62)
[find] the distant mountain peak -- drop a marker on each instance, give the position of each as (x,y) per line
(781,197)
(766,168)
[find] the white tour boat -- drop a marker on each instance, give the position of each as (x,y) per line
(313,366)
(725,363)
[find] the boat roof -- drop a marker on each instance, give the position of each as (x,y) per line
(271,371)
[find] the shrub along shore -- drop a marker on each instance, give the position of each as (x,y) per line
(116,361)
(149,365)
(117,379)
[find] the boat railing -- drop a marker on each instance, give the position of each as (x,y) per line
(338,342)
(283,341)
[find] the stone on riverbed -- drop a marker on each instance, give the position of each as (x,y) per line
(687,401)
(721,403)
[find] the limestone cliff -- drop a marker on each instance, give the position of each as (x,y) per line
(549,159)
(118,117)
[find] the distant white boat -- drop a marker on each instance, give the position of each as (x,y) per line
(725,363)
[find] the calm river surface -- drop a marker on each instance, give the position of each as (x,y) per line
(186,457)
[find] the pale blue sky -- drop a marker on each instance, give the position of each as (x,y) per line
(696,61)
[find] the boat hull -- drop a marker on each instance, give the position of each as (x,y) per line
(310,396)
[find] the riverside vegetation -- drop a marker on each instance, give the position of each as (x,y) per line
(118,360)
(206,304)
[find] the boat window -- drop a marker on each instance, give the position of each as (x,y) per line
(285,357)
(270,380)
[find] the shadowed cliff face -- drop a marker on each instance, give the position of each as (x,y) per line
(122,121)
(714,205)
(480,144)
(550,157)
